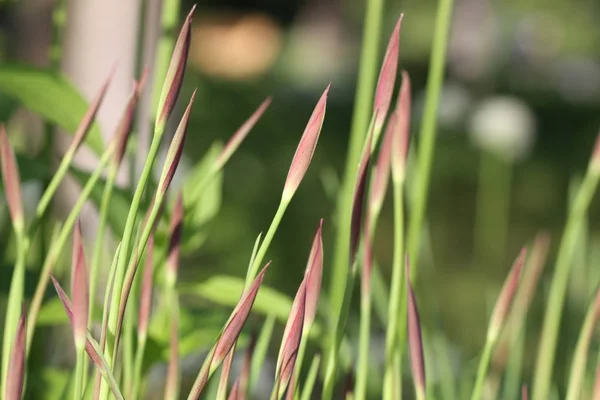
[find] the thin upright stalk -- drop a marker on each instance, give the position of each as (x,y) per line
(558,288)
(428,131)
(360,121)
(484,364)
(79,374)
(362,364)
(266,242)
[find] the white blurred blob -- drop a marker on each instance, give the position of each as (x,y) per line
(504,126)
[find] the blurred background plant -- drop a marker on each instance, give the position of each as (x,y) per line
(517,119)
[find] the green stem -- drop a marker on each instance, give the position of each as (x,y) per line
(98,245)
(484,364)
(137,375)
(57,247)
(392,346)
(14,304)
(264,246)
(362,367)
(556,297)
(360,121)
(79,374)
(309,383)
(337,336)
(428,131)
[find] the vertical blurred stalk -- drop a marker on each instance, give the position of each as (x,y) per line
(428,131)
(493,209)
(360,120)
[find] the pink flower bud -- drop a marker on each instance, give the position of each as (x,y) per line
(16,366)
(12,182)
(175,232)
(174,77)
(387,78)
(305,149)
(313,276)
(79,289)
(415,341)
(382,173)
(401,130)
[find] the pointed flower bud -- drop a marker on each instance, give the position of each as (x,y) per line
(12,182)
(121,135)
(237,320)
(595,160)
(305,149)
(16,366)
(382,173)
(387,78)
(175,73)
(525,393)
(146,294)
(79,289)
(401,130)
(175,232)
(90,115)
(415,341)
(358,199)
(313,277)
(235,393)
(506,297)
(239,136)
(292,335)
(175,150)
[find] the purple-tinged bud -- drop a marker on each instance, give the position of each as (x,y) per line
(237,320)
(175,150)
(79,289)
(16,366)
(239,136)
(88,119)
(175,73)
(358,198)
(290,343)
(245,374)
(225,371)
(235,393)
(401,130)
(506,297)
(12,182)
(525,393)
(313,277)
(382,173)
(305,149)
(173,373)
(415,340)
(123,131)
(175,232)
(387,78)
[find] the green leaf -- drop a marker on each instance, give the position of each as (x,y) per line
(51,96)
(120,201)
(201,206)
(53,312)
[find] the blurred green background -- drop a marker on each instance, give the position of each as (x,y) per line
(519,113)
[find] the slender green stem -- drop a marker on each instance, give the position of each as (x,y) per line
(580,357)
(311,378)
(79,374)
(558,288)
(264,246)
(98,245)
(337,336)
(428,131)
(392,345)
(514,370)
(484,364)
(137,375)
(62,238)
(14,304)
(362,367)
(360,121)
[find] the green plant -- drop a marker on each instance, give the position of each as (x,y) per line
(151,230)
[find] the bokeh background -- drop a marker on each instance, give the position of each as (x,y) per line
(518,116)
